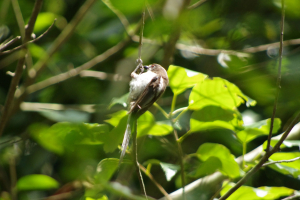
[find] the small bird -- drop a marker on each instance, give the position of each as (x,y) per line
(145,89)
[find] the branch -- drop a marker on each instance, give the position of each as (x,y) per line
(10,42)
(161,189)
(74,72)
(104,75)
(31,41)
(209,184)
(19,70)
(196,5)
(263,160)
(281,161)
(294,197)
(278,75)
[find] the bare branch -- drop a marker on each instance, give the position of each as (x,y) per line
(19,70)
(74,72)
(161,189)
(278,76)
(196,5)
(281,161)
(31,41)
(294,197)
(10,42)
(262,160)
(104,75)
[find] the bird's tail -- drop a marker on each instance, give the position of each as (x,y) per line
(126,138)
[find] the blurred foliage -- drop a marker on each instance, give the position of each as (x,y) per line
(46,151)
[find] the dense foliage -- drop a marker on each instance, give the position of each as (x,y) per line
(61,128)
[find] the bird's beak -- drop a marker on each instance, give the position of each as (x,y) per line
(146,67)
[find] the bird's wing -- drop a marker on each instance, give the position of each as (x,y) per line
(148,96)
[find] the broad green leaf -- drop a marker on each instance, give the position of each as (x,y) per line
(262,193)
(215,117)
(258,129)
(36,182)
(148,126)
(116,117)
(229,165)
(104,197)
(43,21)
(209,166)
(169,169)
(292,168)
(181,79)
(217,92)
(106,168)
(123,100)
(65,135)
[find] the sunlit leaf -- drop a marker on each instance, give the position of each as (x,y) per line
(36,182)
(148,126)
(169,169)
(209,166)
(116,117)
(250,193)
(181,79)
(292,168)
(229,165)
(106,168)
(215,117)
(216,92)
(258,129)
(43,21)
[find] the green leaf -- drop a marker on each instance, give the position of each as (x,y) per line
(292,168)
(43,21)
(116,117)
(106,168)
(169,169)
(65,135)
(250,193)
(217,92)
(258,129)
(209,166)
(123,100)
(215,117)
(229,165)
(36,182)
(181,79)
(148,126)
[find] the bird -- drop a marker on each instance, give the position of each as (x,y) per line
(145,89)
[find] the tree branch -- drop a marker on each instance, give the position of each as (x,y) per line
(278,75)
(19,70)
(281,161)
(262,160)
(31,41)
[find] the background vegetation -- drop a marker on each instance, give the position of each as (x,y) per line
(63,98)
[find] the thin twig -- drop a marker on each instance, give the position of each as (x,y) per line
(161,189)
(19,17)
(120,15)
(180,152)
(19,69)
(10,42)
(135,158)
(196,5)
(278,75)
(60,40)
(161,110)
(294,197)
(281,161)
(262,160)
(31,41)
(74,72)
